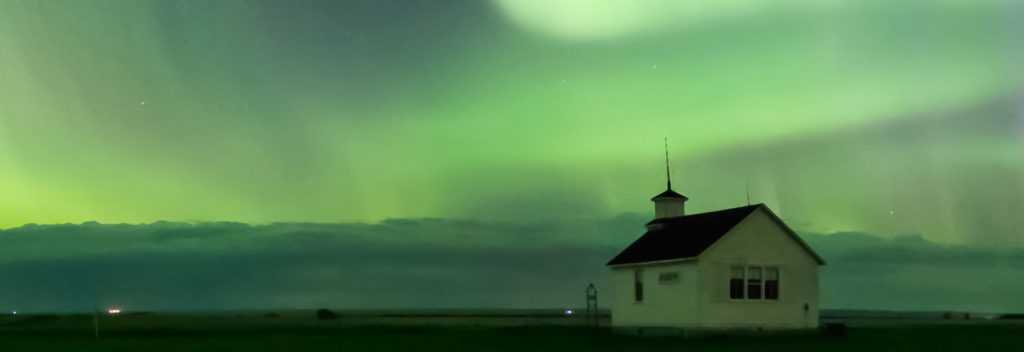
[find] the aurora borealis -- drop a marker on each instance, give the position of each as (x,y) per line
(889,118)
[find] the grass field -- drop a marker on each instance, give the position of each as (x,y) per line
(301,333)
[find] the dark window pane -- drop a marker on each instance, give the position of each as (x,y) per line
(754,289)
(771,289)
(736,288)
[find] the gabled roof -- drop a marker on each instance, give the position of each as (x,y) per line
(681,237)
(669,194)
(689,236)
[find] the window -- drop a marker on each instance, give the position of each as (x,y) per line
(754,282)
(757,282)
(668,278)
(736,282)
(638,285)
(771,283)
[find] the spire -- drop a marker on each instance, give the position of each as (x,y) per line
(669,193)
(668,170)
(668,204)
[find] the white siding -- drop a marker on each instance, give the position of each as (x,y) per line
(671,304)
(759,241)
(669,208)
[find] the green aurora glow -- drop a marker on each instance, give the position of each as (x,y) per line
(877,116)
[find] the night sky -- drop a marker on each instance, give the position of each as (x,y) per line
(891,134)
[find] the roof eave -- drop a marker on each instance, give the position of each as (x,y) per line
(682,197)
(653,262)
(795,236)
(778,220)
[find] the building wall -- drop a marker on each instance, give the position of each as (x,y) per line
(758,241)
(669,208)
(664,304)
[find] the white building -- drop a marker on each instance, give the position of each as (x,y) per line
(739,268)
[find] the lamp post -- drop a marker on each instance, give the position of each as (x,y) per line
(592,316)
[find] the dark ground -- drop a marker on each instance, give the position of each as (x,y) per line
(304,333)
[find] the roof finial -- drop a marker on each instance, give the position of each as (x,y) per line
(668,171)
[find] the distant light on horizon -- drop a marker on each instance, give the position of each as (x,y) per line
(114,311)
(568,312)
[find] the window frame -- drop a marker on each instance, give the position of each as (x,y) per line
(751,282)
(777,287)
(762,284)
(742,279)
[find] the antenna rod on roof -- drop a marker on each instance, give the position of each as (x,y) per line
(748,192)
(668,171)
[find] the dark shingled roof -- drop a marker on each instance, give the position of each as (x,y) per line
(669,194)
(682,237)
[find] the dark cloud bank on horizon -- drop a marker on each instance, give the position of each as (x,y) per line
(437,263)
